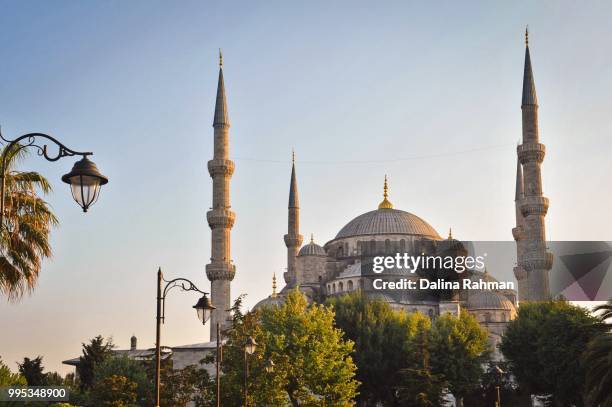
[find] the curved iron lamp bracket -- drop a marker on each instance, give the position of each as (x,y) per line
(42,150)
(183,284)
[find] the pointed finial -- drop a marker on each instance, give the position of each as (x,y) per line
(385,204)
(312,238)
(527,36)
(450,233)
(274,285)
(220,58)
(292,156)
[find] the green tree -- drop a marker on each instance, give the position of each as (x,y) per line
(382,340)
(312,362)
(544,347)
(114,391)
(418,385)
(598,361)
(32,370)
(95,352)
(459,349)
(8,378)
(190,384)
(133,370)
(24,237)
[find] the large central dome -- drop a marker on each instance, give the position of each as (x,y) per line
(387,221)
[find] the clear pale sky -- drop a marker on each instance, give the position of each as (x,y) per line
(428,93)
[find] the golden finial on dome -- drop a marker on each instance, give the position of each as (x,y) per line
(220,58)
(450,233)
(385,204)
(312,238)
(274,285)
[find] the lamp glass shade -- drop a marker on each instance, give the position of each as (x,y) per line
(204,309)
(85,190)
(270,366)
(85,181)
(250,345)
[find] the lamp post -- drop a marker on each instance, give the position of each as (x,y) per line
(218,364)
(85,180)
(499,373)
(270,366)
(249,348)
(203,308)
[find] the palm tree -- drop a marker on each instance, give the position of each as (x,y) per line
(598,360)
(24,237)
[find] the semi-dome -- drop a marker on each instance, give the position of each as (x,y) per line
(488,300)
(387,221)
(312,249)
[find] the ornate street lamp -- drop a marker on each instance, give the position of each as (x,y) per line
(249,348)
(203,307)
(85,179)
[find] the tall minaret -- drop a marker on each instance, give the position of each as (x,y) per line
(220,270)
(535,260)
(518,232)
(293,239)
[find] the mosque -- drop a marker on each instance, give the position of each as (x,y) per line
(342,264)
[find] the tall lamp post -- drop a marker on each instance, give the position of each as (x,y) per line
(499,373)
(249,348)
(85,180)
(203,307)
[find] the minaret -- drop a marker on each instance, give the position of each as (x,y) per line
(518,232)
(535,260)
(293,239)
(220,270)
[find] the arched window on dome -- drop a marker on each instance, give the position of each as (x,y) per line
(350,285)
(340,286)
(329,288)
(388,246)
(487,317)
(372,246)
(403,246)
(334,288)
(504,317)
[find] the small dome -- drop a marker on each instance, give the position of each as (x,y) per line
(312,249)
(488,300)
(270,301)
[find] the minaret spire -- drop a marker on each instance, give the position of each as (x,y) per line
(221,270)
(221,114)
(293,239)
(533,259)
(529,91)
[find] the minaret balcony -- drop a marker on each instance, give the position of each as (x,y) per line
(531,152)
(220,271)
(534,205)
(517,233)
(537,260)
(220,167)
(293,240)
(220,218)
(519,273)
